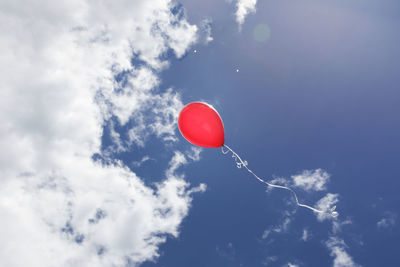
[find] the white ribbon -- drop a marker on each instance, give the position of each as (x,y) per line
(240,163)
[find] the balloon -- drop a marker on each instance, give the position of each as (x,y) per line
(201,125)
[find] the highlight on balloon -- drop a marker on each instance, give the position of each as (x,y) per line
(201,125)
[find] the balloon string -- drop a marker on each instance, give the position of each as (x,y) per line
(240,163)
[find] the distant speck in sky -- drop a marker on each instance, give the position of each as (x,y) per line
(195,51)
(237,70)
(261,33)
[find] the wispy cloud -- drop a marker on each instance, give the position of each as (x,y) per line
(308,180)
(194,153)
(387,221)
(306,235)
(140,162)
(326,203)
(338,251)
(157,116)
(243,8)
(312,180)
(205,35)
(335,244)
(337,225)
(280,228)
(269,259)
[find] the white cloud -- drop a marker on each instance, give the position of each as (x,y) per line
(338,224)
(312,180)
(205,31)
(166,113)
(266,233)
(335,244)
(140,162)
(337,249)
(387,221)
(243,8)
(178,160)
(281,228)
(284,226)
(194,154)
(326,204)
(305,235)
(291,265)
(117,141)
(269,259)
(158,116)
(59,60)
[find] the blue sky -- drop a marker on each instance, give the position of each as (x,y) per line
(94,169)
(321,92)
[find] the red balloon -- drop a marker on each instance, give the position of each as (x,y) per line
(201,125)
